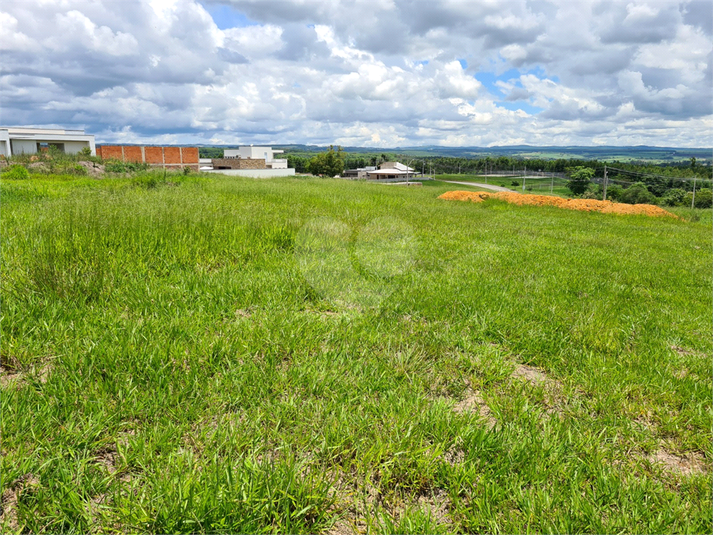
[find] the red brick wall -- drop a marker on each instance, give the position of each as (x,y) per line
(133,154)
(112,152)
(190,155)
(172,157)
(154,155)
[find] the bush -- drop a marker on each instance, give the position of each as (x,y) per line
(675,197)
(704,198)
(638,193)
(16,172)
(115,166)
(614,192)
(515,183)
(594,191)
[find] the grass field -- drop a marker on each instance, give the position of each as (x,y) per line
(326,356)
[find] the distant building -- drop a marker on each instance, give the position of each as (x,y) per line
(252,161)
(359,173)
(22,140)
(258,153)
(391,171)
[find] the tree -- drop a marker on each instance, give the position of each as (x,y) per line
(330,163)
(638,194)
(675,197)
(580,177)
(704,198)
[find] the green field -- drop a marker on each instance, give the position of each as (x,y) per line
(223,355)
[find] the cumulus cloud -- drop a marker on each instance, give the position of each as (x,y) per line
(362,72)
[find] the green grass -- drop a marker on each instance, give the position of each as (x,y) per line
(179,357)
(538,186)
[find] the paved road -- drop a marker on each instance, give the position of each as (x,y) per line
(477,185)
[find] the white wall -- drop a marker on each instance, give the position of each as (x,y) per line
(73,147)
(254,153)
(20,146)
(278,164)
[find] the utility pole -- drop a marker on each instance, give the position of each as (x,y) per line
(693,199)
(523,179)
(605,183)
(552,184)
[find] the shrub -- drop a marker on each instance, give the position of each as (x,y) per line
(115,166)
(704,198)
(614,192)
(515,183)
(16,172)
(594,191)
(638,194)
(674,197)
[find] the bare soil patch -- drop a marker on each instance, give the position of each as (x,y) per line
(11,377)
(11,496)
(473,402)
(532,375)
(584,205)
(687,464)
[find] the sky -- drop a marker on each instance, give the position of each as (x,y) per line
(377,73)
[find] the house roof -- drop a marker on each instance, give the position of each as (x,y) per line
(392,172)
(395,165)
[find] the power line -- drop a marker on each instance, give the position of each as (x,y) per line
(651,175)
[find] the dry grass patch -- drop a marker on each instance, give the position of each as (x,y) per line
(687,464)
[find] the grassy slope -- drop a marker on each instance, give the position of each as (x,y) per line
(177,373)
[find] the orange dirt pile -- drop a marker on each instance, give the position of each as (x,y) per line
(585,205)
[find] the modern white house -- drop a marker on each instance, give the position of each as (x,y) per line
(22,140)
(258,153)
(252,161)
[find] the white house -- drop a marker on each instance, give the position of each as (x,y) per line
(392,171)
(258,153)
(21,140)
(255,162)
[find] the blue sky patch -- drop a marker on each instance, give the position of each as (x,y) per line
(226,17)
(488,79)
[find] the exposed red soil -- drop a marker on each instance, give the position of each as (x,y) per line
(585,205)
